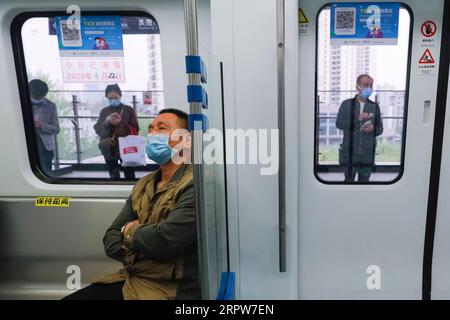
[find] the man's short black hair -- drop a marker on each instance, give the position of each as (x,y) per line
(182,116)
(113,88)
(38,89)
(359,79)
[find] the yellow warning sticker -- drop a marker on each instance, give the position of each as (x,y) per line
(302,18)
(52,202)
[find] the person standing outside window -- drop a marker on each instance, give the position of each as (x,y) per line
(360,120)
(46,123)
(116,120)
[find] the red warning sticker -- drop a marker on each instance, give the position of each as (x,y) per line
(427,58)
(427,64)
(428,29)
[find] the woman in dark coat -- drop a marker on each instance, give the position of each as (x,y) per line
(116,120)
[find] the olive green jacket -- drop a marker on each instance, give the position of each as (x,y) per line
(160,253)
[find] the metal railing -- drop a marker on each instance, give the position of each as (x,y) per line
(328,102)
(335,106)
(128,97)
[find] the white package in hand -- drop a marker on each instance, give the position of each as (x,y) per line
(132,151)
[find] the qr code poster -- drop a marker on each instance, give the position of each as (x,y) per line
(89,36)
(373,23)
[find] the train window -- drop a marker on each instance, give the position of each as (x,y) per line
(84,82)
(366,82)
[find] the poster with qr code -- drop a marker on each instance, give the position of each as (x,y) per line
(89,36)
(364,23)
(91,48)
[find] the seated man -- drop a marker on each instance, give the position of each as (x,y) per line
(154,236)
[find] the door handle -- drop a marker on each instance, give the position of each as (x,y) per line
(426,112)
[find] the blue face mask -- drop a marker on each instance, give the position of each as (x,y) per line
(158,148)
(366,92)
(114,102)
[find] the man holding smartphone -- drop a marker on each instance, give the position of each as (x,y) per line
(360,120)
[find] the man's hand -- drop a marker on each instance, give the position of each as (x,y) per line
(128,227)
(363,116)
(37,123)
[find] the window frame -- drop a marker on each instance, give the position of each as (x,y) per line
(316,166)
(25,102)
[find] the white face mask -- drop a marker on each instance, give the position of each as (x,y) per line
(36,101)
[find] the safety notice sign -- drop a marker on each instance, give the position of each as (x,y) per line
(303,22)
(428,30)
(427,64)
